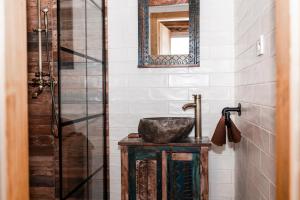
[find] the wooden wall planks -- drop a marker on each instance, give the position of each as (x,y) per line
(42,143)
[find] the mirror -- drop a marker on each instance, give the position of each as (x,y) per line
(168,33)
(169,29)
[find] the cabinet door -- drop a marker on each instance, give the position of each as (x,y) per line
(183,176)
(144,174)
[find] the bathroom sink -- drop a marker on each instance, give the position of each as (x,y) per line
(165,129)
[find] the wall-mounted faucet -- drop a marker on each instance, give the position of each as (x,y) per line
(198,121)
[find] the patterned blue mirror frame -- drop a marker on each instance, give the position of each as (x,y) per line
(145,60)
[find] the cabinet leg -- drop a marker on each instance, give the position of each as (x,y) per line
(124,173)
(204,173)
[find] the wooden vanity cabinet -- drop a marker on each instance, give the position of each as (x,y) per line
(175,171)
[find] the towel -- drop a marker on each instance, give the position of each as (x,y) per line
(233,133)
(219,137)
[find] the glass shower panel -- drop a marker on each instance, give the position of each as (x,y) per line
(95,84)
(96,187)
(94,31)
(82,77)
(80,194)
(74,156)
(95,145)
(72,60)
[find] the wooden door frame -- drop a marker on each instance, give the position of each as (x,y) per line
(2,103)
(295,100)
(14,142)
(288,100)
(14,128)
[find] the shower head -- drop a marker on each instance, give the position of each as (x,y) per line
(45,10)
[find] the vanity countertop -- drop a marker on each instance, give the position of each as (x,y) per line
(190,142)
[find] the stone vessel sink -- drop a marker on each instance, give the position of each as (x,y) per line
(165,129)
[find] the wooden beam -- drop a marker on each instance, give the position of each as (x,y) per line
(2,106)
(166,2)
(16,126)
(283,100)
(294,99)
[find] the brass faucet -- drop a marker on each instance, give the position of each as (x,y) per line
(197,106)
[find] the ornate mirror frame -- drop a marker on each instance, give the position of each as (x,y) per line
(145,60)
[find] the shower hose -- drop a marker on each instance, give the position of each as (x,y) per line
(54,113)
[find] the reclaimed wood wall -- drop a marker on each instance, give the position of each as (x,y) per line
(41,141)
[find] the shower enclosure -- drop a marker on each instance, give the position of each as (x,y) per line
(82,160)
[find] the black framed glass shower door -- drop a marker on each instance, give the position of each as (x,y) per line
(82,142)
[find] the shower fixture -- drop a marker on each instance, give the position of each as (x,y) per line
(44,79)
(45,11)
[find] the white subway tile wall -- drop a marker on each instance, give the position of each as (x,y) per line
(255,89)
(137,93)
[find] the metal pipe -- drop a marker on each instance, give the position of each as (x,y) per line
(198,119)
(188,105)
(237,109)
(39,30)
(45,11)
(198,129)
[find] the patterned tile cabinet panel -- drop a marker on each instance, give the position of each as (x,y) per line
(164,171)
